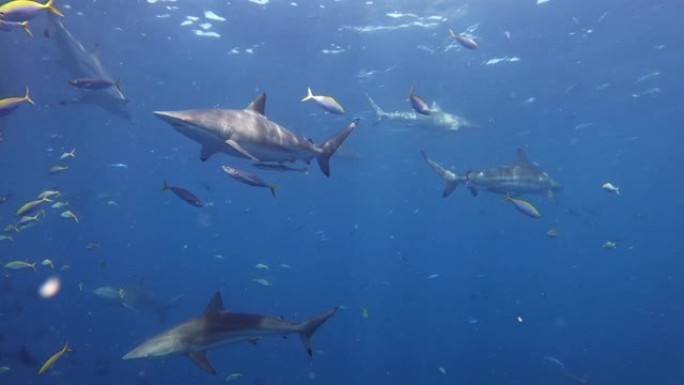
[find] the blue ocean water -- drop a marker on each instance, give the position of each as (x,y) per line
(434,290)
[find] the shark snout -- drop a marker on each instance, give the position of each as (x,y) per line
(170,116)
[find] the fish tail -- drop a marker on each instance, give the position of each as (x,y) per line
(331,145)
(309,94)
(617,191)
(308,327)
(411,93)
(117,84)
(452,35)
(50,5)
(273,189)
(165,186)
(449,177)
(379,113)
(27,98)
(33,266)
(25,27)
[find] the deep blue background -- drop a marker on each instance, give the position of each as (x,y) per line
(369,236)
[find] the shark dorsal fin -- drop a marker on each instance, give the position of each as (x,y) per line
(215,306)
(522,161)
(258,104)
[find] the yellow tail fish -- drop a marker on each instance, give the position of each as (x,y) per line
(51,361)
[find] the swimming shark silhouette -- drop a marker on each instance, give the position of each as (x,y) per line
(81,63)
(523,177)
(248,133)
(436,119)
(217,327)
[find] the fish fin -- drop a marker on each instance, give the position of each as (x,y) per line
(452,35)
(522,160)
(50,5)
(309,95)
(117,84)
(273,189)
(26,29)
(215,306)
(449,177)
(552,197)
(258,105)
(206,153)
(308,327)
(410,94)
(27,98)
(199,357)
(331,145)
(237,147)
(379,113)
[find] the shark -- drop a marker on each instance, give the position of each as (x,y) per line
(437,118)
(248,133)
(216,327)
(523,177)
(133,297)
(82,63)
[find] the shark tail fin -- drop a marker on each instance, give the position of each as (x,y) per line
(50,5)
(309,95)
(331,145)
(449,177)
(379,113)
(308,327)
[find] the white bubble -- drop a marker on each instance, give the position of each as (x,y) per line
(50,287)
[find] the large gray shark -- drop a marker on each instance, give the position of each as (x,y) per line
(81,63)
(522,177)
(217,327)
(437,119)
(250,134)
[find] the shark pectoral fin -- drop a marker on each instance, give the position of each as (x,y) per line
(449,188)
(206,153)
(236,146)
(551,196)
(200,358)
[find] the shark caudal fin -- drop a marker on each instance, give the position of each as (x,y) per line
(449,177)
(379,113)
(331,145)
(308,327)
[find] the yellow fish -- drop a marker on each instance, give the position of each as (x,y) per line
(20,265)
(553,233)
(70,154)
(262,282)
(69,214)
(57,168)
(609,245)
(51,361)
(22,10)
(28,207)
(48,194)
(328,103)
(9,105)
(262,266)
(233,376)
(47,262)
(6,237)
